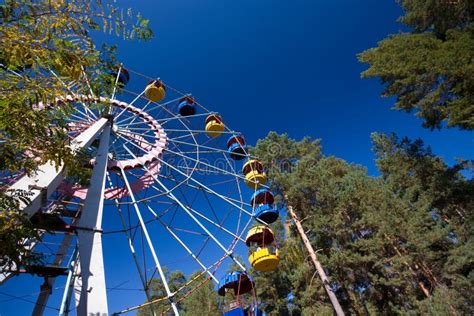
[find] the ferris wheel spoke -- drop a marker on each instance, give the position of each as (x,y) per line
(194,131)
(88,110)
(87,81)
(73,93)
(218,223)
(116,82)
(222,171)
(180,241)
(204,147)
(206,171)
(239,190)
(201,215)
(220,226)
(190,214)
(195,187)
(125,132)
(150,243)
(135,128)
(199,183)
(179,117)
(163,107)
(160,105)
(130,243)
(211,191)
(86,115)
(181,137)
(172,197)
(128,106)
(135,142)
(62,82)
(80,118)
(122,125)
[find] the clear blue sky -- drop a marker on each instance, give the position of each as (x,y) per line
(286,66)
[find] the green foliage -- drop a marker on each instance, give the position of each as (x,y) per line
(398,243)
(46,51)
(176,280)
(60,55)
(430,70)
(203,301)
(198,299)
(14,226)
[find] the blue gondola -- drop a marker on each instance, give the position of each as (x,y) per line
(262,196)
(262,201)
(187,106)
(266,213)
(238,311)
(123,77)
(237,147)
(253,311)
(239,281)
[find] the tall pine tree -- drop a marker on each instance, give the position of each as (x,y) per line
(397,243)
(430,70)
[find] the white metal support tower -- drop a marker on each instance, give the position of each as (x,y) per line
(93,297)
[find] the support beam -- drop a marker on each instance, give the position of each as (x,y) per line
(93,294)
(48,176)
(146,288)
(319,268)
(49,282)
(64,310)
(150,245)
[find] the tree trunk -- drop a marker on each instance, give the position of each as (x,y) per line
(317,264)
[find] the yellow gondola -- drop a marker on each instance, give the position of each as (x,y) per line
(265,257)
(214,125)
(260,235)
(155,91)
(255,177)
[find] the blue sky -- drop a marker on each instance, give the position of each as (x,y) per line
(286,66)
(268,65)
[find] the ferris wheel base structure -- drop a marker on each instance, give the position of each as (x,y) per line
(165,149)
(92,299)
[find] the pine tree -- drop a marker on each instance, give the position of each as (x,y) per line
(389,244)
(203,300)
(176,280)
(430,69)
(444,256)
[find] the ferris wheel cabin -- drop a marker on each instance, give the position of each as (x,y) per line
(263,255)
(214,125)
(123,76)
(255,176)
(237,147)
(239,283)
(186,106)
(263,209)
(155,91)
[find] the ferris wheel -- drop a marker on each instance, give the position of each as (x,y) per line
(175,177)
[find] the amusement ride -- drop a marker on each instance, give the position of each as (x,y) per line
(173,173)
